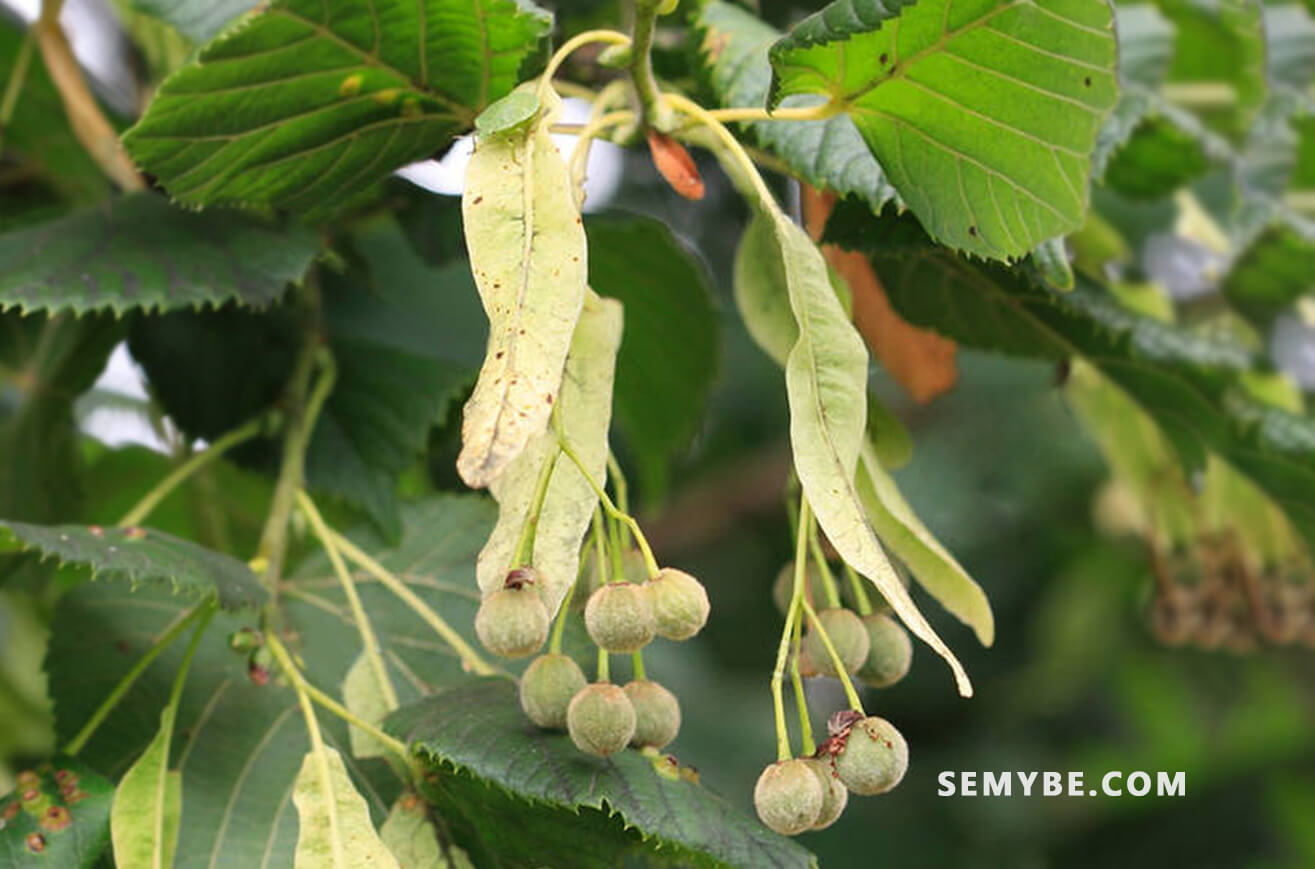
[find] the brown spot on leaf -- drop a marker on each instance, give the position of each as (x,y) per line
(96,530)
(36,843)
(56,818)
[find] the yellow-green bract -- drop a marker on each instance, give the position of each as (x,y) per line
(584,412)
(363,695)
(148,805)
(528,254)
(826,383)
(335,828)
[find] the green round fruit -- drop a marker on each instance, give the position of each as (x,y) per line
(512,622)
(547,687)
(680,603)
(847,634)
(788,797)
(890,651)
(633,569)
(783,587)
(874,757)
(835,796)
(619,618)
(600,719)
(657,713)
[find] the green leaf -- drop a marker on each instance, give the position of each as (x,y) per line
(1165,149)
(630,808)
(245,741)
(198,20)
(408,833)
(902,531)
(760,290)
(584,410)
(1187,382)
(1221,41)
(140,253)
(148,805)
(983,113)
(528,253)
(1273,270)
(335,827)
(311,102)
(363,696)
(826,384)
(669,348)
(386,320)
(144,555)
(75,792)
(830,154)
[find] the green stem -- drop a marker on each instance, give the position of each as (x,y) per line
(603,675)
(369,640)
(614,547)
(860,591)
(180,677)
(815,624)
(178,475)
(559,624)
(618,482)
(126,682)
(807,745)
(637,664)
(524,553)
(828,579)
(783,649)
(612,37)
(17,77)
(641,62)
(470,658)
(629,521)
(302,686)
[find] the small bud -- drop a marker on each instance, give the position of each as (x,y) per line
(680,603)
(890,651)
(619,617)
(260,665)
(788,797)
(874,757)
(547,687)
(657,713)
(615,56)
(245,640)
(600,719)
(835,796)
(847,634)
(783,587)
(512,622)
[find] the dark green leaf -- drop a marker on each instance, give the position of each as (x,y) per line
(1273,270)
(1221,41)
(982,113)
(143,555)
(1188,383)
(629,806)
(58,816)
(669,349)
(394,328)
(140,253)
(829,154)
(313,101)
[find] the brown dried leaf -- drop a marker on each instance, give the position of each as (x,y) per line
(676,165)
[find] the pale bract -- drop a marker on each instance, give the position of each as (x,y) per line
(335,828)
(148,805)
(527,252)
(584,413)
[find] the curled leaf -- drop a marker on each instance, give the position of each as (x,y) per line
(676,165)
(528,254)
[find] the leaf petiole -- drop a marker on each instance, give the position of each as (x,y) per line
(612,37)
(650,562)
(787,631)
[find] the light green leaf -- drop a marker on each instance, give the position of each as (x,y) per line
(630,809)
(140,253)
(144,555)
(828,154)
(935,568)
(667,293)
(148,806)
(311,102)
(336,831)
(887,436)
(584,412)
(760,289)
(528,253)
(71,785)
(508,113)
(1273,268)
(410,836)
(362,695)
(983,113)
(826,383)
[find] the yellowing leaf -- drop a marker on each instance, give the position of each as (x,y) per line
(335,832)
(363,696)
(826,383)
(148,805)
(760,292)
(528,254)
(935,569)
(410,835)
(585,412)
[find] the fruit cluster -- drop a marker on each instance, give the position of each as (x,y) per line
(622,618)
